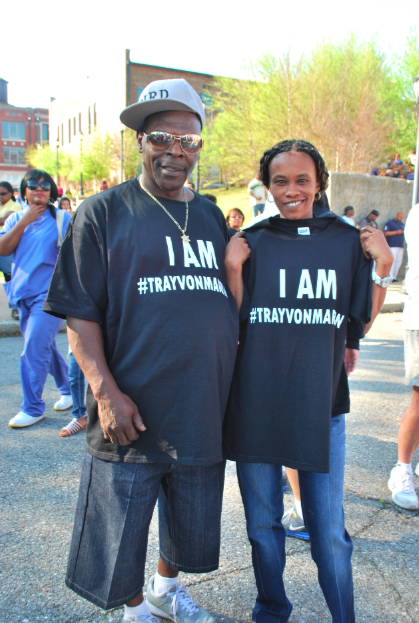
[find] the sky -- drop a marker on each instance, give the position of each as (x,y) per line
(51,48)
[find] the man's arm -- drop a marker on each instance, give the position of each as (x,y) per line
(118,415)
(393,233)
(236,253)
(375,246)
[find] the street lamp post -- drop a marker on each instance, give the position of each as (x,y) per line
(56,161)
(122,130)
(415,198)
(81,163)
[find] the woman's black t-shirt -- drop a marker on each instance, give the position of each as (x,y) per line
(307,294)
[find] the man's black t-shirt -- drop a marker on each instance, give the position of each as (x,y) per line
(307,292)
(169,322)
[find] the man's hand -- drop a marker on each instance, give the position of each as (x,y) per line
(119,418)
(237,252)
(351,360)
(375,246)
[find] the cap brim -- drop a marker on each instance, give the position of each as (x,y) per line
(134,116)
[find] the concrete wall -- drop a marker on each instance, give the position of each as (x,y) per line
(365,193)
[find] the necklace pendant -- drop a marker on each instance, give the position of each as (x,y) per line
(185,238)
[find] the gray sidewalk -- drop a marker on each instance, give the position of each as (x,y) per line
(39,480)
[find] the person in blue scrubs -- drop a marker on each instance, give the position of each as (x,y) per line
(32,236)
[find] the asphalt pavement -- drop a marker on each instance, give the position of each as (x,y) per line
(39,480)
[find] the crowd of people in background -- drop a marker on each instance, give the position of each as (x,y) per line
(395,167)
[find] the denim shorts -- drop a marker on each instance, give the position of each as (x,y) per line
(115,506)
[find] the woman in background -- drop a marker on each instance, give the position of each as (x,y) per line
(32,236)
(235,219)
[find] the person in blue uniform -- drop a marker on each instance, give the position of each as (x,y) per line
(32,237)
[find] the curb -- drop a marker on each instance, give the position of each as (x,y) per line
(389,308)
(11,328)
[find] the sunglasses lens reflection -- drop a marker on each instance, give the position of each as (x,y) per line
(191,143)
(161,140)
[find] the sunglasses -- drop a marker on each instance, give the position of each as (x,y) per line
(6,193)
(189,143)
(33,185)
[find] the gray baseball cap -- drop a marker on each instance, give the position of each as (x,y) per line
(163,95)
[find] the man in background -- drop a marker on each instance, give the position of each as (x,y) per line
(103,185)
(258,195)
(348,214)
(394,232)
(369,220)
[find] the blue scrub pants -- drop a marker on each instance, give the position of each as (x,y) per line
(40,355)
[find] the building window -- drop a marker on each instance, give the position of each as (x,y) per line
(62,134)
(13,155)
(94,117)
(139,91)
(79,122)
(45,132)
(69,130)
(10,129)
(74,126)
(89,127)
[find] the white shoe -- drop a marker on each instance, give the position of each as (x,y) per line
(402,487)
(21,420)
(417,470)
(64,403)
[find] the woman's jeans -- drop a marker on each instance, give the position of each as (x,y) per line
(77,386)
(331,546)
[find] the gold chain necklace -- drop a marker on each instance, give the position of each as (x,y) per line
(184,237)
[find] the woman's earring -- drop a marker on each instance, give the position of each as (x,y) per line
(51,203)
(271,200)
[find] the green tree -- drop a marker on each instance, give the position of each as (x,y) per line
(45,158)
(402,107)
(132,158)
(96,159)
(336,97)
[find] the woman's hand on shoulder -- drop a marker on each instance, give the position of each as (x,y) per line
(237,252)
(375,246)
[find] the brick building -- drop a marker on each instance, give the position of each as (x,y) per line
(20,128)
(97,101)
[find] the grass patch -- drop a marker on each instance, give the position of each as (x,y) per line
(233,198)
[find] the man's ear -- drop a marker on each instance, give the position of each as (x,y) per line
(140,136)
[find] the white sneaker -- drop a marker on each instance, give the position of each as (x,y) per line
(417,470)
(144,618)
(21,420)
(402,487)
(64,403)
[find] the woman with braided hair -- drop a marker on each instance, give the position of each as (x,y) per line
(305,295)
(33,236)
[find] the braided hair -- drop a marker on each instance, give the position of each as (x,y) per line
(295,145)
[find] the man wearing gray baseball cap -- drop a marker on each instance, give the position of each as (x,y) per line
(141,281)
